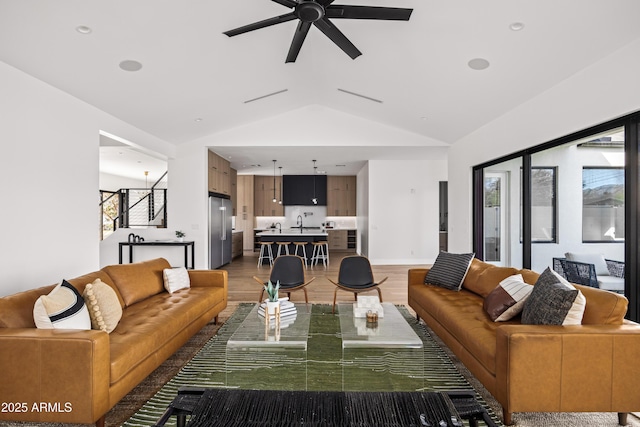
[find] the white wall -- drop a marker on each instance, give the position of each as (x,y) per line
(404,210)
(601,92)
(49,181)
(111,182)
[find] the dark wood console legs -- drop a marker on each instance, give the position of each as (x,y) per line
(100,422)
(622,418)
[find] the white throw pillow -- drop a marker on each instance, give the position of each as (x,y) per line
(176,279)
(62,308)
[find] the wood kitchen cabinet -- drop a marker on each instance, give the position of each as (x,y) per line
(341,195)
(219,174)
(244,212)
(263,192)
(237,244)
(338,240)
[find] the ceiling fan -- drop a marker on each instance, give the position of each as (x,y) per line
(318,12)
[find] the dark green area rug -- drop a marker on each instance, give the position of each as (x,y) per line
(325,366)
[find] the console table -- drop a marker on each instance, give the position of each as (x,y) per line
(186,245)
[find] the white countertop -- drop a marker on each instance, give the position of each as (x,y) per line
(291,232)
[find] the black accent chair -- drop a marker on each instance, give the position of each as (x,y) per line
(290,272)
(355,276)
(584,274)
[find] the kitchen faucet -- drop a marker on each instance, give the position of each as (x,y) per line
(279,226)
(299,222)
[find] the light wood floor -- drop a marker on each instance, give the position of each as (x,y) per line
(242,287)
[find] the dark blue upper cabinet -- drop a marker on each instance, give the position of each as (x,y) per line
(299,190)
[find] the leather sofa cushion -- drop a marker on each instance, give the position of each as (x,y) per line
(16,311)
(147,326)
(462,315)
(486,277)
(139,281)
(603,307)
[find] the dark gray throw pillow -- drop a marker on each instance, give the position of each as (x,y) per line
(549,302)
(449,270)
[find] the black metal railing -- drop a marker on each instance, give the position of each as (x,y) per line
(133,207)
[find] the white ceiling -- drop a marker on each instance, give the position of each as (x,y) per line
(417,68)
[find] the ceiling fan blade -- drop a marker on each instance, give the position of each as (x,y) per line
(298,39)
(288,3)
(261,24)
(368,12)
(337,37)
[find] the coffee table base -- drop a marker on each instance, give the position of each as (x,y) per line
(231,407)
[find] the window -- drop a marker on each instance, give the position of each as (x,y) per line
(602,204)
(543,204)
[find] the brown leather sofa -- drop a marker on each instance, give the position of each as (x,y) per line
(593,367)
(77,376)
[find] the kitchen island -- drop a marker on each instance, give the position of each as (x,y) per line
(308,235)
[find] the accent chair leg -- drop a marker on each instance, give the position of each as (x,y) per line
(100,422)
(335,295)
(379,294)
(622,418)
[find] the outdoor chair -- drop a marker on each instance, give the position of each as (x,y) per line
(355,276)
(591,270)
(290,272)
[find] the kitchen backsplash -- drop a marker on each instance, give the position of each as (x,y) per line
(312,216)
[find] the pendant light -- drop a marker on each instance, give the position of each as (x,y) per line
(274,182)
(280,202)
(315,199)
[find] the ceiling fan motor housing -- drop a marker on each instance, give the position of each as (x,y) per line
(309,11)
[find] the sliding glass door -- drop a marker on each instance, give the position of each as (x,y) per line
(573,199)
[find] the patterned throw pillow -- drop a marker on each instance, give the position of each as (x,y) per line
(553,301)
(176,279)
(62,308)
(104,308)
(449,270)
(507,299)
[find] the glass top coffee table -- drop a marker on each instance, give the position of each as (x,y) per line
(391,331)
(254,333)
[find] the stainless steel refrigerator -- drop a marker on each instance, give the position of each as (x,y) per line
(220,212)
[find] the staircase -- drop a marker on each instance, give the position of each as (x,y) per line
(134,208)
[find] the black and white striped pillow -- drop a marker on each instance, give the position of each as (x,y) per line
(449,270)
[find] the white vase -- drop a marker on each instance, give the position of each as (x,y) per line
(271,306)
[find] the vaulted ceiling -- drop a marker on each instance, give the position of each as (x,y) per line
(414,76)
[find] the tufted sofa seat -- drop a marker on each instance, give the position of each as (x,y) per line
(83,374)
(591,367)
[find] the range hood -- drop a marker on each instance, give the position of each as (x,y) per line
(299,190)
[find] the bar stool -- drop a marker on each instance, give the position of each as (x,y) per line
(265,253)
(302,245)
(320,252)
(286,248)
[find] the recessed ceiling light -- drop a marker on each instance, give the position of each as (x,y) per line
(198,119)
(83,29)
(479,64)
(516,26)
(130,65)
(423,118)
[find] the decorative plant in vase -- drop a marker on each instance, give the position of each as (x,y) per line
(272,296)
(180,235)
